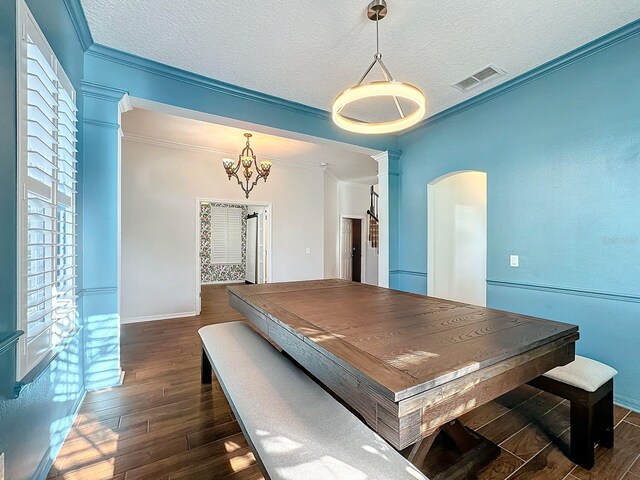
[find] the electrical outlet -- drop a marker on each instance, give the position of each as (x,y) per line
(1,466)
(308,251)
(514,261)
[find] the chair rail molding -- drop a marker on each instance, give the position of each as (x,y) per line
(622,297)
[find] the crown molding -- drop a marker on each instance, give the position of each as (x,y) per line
(102,92)
(208,150)
(79,20)
(331,175)
(151,66)
(557,63)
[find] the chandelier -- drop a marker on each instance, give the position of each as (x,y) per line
(376,11)
(246,159)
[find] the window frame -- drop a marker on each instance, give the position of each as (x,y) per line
(63,206)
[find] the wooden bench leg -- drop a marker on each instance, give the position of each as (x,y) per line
(582,434)
(206,375)
(603,411)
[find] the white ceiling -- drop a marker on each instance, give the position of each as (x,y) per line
(225,141)
(309,52)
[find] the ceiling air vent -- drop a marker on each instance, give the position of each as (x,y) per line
(485,75)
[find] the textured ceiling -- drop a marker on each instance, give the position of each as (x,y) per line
(225,141)
(308,53)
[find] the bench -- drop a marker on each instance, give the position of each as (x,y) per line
(588,385)
(295,428)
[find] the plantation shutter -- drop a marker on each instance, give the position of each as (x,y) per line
(234,235)
(226,235)
(48,176)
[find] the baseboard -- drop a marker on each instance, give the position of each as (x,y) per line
(626,402)
(52,453)
(228,282)
(153,318)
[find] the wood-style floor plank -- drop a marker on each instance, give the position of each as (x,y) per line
(162,424)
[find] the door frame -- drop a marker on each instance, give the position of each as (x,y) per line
(363,240)
(431,228)
(268,248)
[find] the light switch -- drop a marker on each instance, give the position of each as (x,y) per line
(514,261)
(308,251)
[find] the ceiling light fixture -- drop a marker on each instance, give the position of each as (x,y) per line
(376,11)
(247,159)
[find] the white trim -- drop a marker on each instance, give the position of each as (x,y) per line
(213,151)
(331,175)
(153,318)
(383,218)
(145,104)
(199,200)
(363,248)
(234,282)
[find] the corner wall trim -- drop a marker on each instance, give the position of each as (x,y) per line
(408,272)
(622,297)
(79,20)
(111,54)
(97,291)
(153,318)
(562,61)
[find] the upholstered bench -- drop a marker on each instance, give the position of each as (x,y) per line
(588,385)
(294,427)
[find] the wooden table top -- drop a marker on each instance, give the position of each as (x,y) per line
(399,344)
(407,343)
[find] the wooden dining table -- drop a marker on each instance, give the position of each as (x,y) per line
(409,365)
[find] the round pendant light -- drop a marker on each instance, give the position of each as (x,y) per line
(376,11)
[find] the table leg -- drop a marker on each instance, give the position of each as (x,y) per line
(419,451)
(476,452)
(206,373)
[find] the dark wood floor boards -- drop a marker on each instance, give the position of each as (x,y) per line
(162,424)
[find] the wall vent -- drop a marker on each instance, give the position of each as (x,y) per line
(487,74)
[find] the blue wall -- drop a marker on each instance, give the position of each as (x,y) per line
(33,427)
(562,154)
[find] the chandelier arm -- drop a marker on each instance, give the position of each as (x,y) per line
(368,70)
(389,78)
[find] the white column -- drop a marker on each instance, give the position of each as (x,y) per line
(383,218)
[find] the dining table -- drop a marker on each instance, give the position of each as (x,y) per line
(408,365)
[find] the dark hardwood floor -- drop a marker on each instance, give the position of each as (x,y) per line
(161,424)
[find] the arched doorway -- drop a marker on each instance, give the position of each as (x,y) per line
(457,237)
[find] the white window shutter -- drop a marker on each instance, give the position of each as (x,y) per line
(234,235)
(218,235)
(226,235)
(47,135)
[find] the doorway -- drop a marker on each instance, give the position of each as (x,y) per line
(352,249)
(233,243)
(457,237)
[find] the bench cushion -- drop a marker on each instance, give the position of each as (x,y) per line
(295,428)
(583,373)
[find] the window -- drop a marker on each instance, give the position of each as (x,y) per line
(226,234)
(47,204)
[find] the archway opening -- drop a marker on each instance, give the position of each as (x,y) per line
(457,237)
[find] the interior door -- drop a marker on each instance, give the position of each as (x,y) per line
(356,250)
(345,247)
(261,249)
(252,245)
